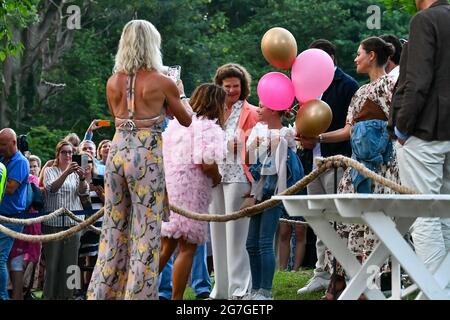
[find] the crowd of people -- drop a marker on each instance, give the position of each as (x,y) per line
(216,153)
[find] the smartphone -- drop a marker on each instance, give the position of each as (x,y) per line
(77,158)
(81,159)
(103,123)
(84,161)
(174,72)
(98,181)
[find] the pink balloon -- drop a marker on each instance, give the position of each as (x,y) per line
(312,73)
(276,91)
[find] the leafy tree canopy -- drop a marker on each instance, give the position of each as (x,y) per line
(199,35)
(16,14)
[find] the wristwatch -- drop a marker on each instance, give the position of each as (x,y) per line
(320,138)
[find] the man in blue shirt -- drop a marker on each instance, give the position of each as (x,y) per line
(14,200)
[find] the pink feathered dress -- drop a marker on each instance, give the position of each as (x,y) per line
(184,150)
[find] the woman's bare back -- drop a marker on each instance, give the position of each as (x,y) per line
(150,94)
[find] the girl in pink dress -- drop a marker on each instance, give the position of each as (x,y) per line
(190,163)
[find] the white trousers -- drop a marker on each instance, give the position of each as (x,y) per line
(425,166)
(232,274)
(324,184)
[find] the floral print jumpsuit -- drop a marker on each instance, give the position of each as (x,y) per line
(135,205)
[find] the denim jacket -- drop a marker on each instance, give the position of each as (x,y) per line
(372,147)
(294,174)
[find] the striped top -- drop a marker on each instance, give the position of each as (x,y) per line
(66,197)
(96,204)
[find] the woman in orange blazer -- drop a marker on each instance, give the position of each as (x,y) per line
(230,257)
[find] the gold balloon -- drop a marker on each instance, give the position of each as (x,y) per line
(313,118)
(279,48)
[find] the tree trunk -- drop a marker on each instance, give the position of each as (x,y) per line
(44,45)
(6,82)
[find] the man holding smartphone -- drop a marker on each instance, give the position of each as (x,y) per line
(89,147)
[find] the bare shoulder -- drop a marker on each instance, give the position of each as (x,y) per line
(164,80)
(116,80)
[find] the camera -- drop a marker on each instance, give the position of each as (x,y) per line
(22,143)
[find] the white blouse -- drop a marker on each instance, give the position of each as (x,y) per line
(66,197)
(232,170)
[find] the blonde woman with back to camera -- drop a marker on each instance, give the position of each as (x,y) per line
(135,196)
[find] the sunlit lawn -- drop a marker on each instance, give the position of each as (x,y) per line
(285,286)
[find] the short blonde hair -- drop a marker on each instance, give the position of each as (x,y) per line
(33,157)
(73,139)
(139,47)
(100,145)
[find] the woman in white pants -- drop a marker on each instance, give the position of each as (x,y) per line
(230,257)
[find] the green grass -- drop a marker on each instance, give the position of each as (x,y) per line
(285,286)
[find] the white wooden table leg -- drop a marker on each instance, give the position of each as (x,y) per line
(360,282)
(396,280)
(335,243)
(346,258)
(386,231)
(375,260)
(407,291)
(403,225)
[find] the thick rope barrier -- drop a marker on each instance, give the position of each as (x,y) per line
(348,162)
(79,220)
(55,236)
(253,210)
(57,213)
(323,164)
(30,221)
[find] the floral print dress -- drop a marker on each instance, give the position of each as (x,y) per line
(361,240)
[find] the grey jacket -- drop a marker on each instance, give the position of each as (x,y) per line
(421,104)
